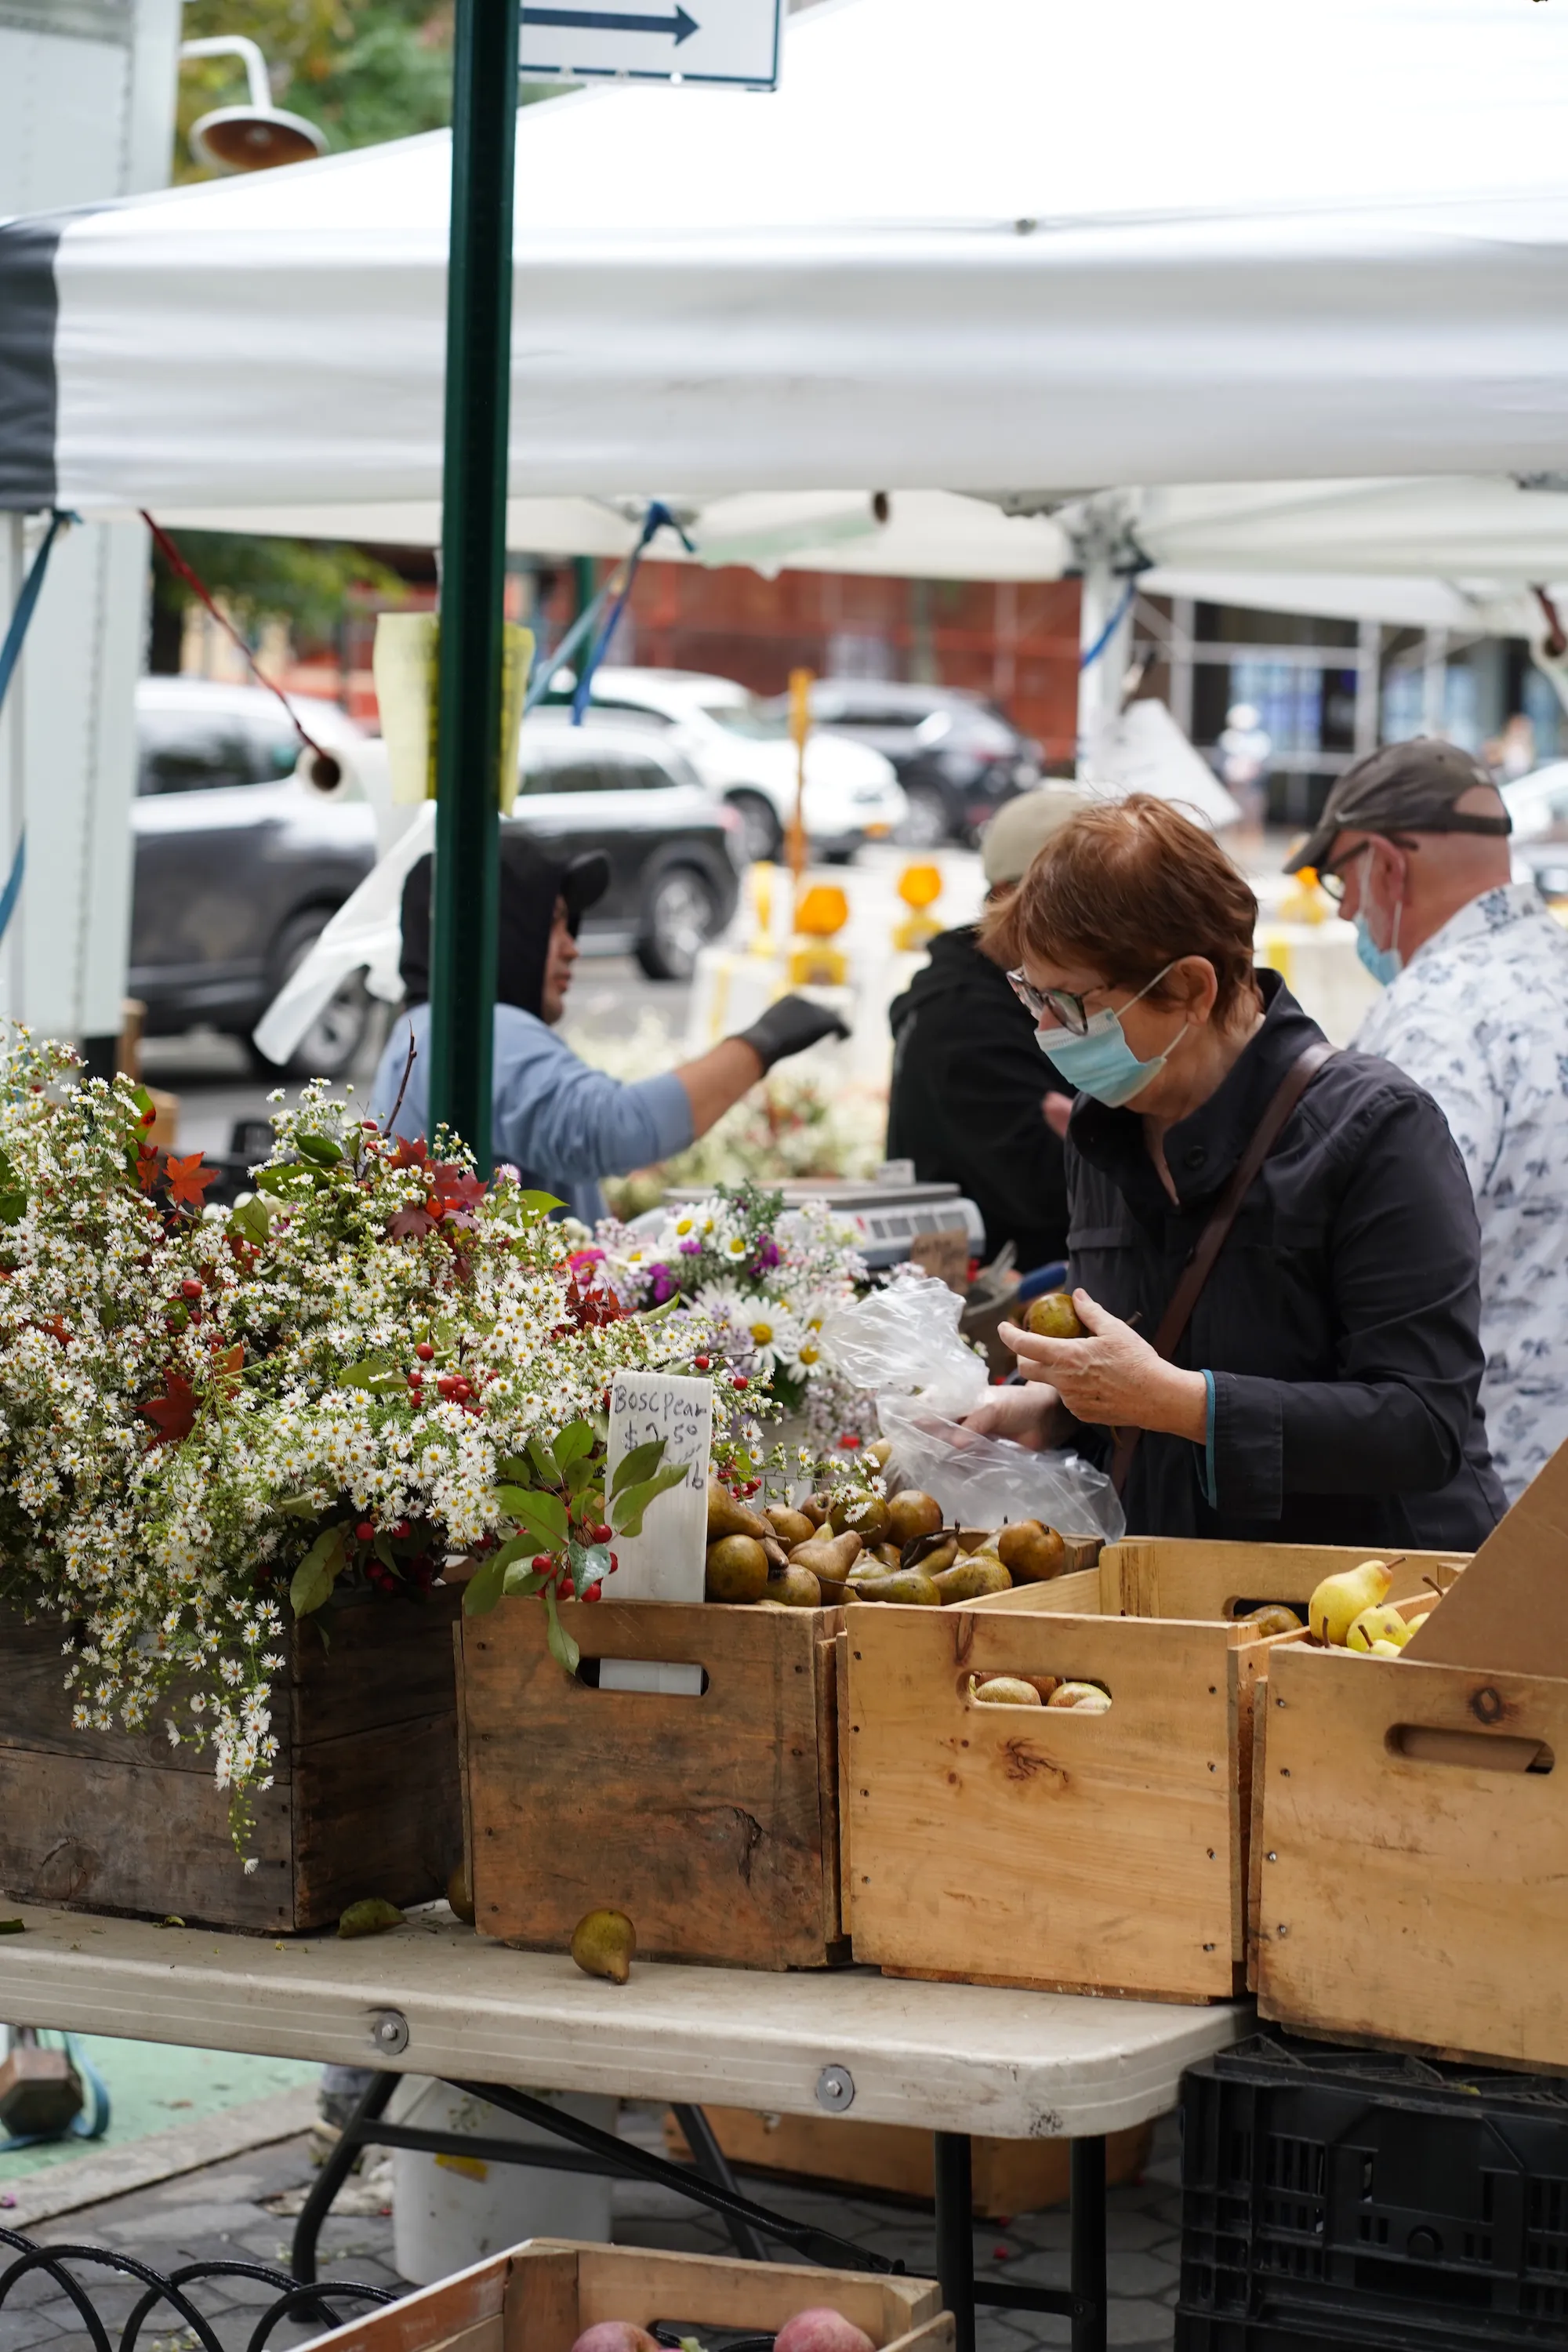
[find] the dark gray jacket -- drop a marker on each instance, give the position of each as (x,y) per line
(1341,1322)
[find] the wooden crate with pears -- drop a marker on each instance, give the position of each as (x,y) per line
(1411,1817)
(1084,1825)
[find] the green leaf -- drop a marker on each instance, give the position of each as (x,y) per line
(540,1204)
(250,1221)
(299,1507)
(365,1373)
(289,1182)
(589,1566)
(576,1440)
(543,1459)
(384,1552)
(12,1193)
(520,1582)
(313,1580)
(626,1511)
(581,1476)
(483,1589)
(513,1471)
(640,1463)
(321,1148)
(562,1648)
(544,1515)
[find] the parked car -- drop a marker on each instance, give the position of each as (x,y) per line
(1538,805)
(739,747)
(957,756)
(675,857)
(239,867)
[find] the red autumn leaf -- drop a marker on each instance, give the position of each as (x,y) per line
(188,1179)
(456,1188)
(174,1414)
(55,1325)
(410,1225)
(228,1367)
(146,1166)
(410,1155)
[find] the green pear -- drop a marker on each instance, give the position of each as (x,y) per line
(605,1944)
(736,1569)
(1003,1690)
(1033,1552)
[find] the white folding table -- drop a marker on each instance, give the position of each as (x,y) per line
(433,1998)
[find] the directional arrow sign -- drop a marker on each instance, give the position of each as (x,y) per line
(734,41)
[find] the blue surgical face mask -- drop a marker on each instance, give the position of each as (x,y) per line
(1102,1063)
(1386,964)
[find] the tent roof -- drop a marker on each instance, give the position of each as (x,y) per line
(1020,244)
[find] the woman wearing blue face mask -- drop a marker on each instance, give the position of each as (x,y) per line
(1274,1244)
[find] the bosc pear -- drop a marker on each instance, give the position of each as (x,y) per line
(1340,1600)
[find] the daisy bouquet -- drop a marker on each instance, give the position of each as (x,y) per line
(214,1420)
(748,1285)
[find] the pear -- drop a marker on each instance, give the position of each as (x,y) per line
(865,1515)
(912,1586)
(736,1569)
(1033,1552)
(1380,1649)
(816,1509)
(912,1513)
(1375,1625)
(1274,1617)
(795,1587)
(1086,1697)
(458,1894)
(976,1538)
(930,1553)
(880,1452)
(889,1554)
(1053,1316)
(373,1916)
(969,1580)
(1003,1690)
(727,1516)
(1340,1600)
(790,1526)
(829,1556)
(605,1944)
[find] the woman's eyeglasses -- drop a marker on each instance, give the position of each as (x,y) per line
(1068,1011)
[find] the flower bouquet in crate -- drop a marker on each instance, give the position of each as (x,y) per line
(241,1449)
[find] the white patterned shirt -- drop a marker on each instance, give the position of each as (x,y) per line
(1479,1018)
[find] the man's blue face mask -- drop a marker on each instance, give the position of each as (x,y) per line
(1386,964)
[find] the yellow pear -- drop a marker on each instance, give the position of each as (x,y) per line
(1003,1690)
(1086,1697)
(1340,1600)
(1375,1625)
(1385,1649)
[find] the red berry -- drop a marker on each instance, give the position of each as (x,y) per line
(701,1362)
(595,1592)
(567,1589)
(400,1527)
(740,1381)
(425,1351)
(602,1532)
(365,1532)
(542,1563)
(190,1287)
(614,1563)
(462,1391)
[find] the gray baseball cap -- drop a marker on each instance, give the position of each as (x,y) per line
(1405,788)
(1022,826)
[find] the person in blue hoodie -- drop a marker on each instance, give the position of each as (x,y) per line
(563,1125)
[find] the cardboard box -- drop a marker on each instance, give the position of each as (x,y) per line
(1410,1886)
(1038,1846)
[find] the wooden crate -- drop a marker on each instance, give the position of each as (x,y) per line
(1099,1852)
(540,2298)
(365,1801)
(711,1821)
(1009,2176)
(1411,1875)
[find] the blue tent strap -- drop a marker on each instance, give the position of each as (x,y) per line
(1123,606)
(93,2120)
(658,518)
(10,654)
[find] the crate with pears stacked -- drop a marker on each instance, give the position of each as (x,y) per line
(1050,1782)
(1411,1821)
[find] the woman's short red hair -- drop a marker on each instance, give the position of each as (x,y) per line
(1126,888)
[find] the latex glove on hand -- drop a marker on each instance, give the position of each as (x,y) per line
(788,1026)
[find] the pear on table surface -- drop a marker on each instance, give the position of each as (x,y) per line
(1003,1690)
(1340,1600)
(1375,1626)
(605,1944)
(373,1916)
(1053,1316)
(459,1896)
(1035,1553)
(728,1515)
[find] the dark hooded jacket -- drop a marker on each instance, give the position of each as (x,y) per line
(968,1083)
(1340,1324)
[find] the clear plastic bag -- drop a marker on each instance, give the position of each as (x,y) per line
(902,1344)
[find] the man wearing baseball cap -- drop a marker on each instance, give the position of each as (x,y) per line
(969,1089)
(1413,842)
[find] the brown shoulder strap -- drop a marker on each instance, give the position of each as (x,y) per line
(1212,1239)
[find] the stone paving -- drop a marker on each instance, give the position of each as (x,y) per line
(222,2212)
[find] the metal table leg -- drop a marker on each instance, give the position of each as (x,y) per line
(1086,2159)
(711,2161)
(357,2133)
(956,2233)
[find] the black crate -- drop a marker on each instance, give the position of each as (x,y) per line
(1346,2197)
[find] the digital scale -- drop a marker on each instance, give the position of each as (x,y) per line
(887,1215)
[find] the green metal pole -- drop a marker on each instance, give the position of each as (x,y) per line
(473,569)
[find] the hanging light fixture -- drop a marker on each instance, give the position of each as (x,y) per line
(256,137)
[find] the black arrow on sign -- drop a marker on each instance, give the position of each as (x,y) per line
(612,20)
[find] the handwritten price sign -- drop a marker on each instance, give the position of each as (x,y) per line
(665,1562)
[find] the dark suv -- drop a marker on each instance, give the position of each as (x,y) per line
(958,757)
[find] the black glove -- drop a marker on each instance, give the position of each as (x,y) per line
(789,1026)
